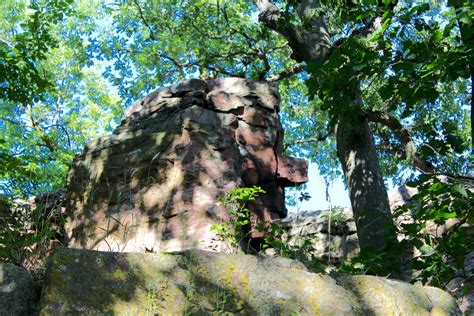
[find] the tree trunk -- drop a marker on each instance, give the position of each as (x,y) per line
(467,37)
(471,167)
(356,148)
(369,199)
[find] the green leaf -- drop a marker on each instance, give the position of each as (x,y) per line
(426,250)
(436,187)
(359,67)
(464,18)
(411,228)
(460,190)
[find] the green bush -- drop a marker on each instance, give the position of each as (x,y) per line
(233,232)
(436,233)
(235,202)
(418,256)
(438,257)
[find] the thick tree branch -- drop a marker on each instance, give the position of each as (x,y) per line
(312,44)
(404,136)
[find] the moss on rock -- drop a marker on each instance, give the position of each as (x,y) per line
(199,282)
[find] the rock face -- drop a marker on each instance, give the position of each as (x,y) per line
(153,184)
(18,293)
(203,283)
(341,243)
(330,246)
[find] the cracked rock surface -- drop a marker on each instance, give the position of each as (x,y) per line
(153,184)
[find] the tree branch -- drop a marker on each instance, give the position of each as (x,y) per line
(367,29)
(266,68)
(250,40)
(318,138)
(43,136)
(404,136)
(313,44)
(142,17)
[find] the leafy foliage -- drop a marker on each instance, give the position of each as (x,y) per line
(436,235)
(25,79)
(51,102)
(235,202)
(139,45)
(412,67)
(440,231)
(233,232)
(29,232)
(69,68)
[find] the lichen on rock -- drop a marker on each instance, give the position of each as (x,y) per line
(201,283)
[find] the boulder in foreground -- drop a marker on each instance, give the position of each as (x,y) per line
(18,293)
(197,282)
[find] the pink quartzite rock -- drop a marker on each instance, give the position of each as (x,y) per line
(153,184)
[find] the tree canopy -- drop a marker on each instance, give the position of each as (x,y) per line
(67,64)
(53,99)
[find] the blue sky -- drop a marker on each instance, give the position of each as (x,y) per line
(317,190)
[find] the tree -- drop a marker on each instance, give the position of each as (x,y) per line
(51,103)
(355,145)
(26,39)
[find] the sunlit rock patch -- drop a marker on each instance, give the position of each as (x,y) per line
(202,283)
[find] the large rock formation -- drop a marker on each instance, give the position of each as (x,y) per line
(153,184)
(202,283)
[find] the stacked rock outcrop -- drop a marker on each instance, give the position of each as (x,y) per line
(330,245)
(153,184)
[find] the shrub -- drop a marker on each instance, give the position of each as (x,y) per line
(233,233)
(436,233)
(235,202)
(29,232)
